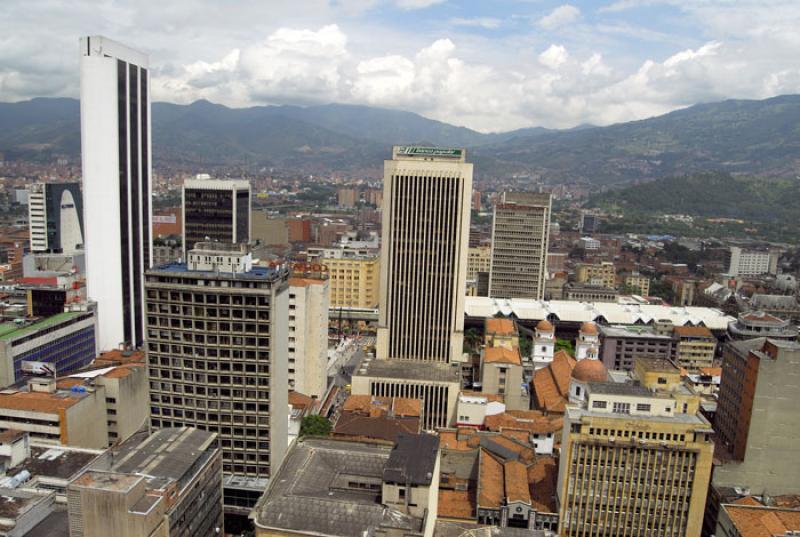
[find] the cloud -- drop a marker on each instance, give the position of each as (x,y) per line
(560,16)
(417,4)
(489,23)
(554,56)
(348,51)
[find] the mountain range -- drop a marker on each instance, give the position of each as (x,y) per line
(734,136)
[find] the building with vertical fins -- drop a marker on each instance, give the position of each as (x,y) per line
(216,210)
(424,256)
(636,454)
(55,217)
(520,235)
(426,208)
(115,146)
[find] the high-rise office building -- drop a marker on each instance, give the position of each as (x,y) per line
(423,281)
(55,217)
(424,256)
(520,235)
(115,146)
(636,456)
(217,344)
(216,210)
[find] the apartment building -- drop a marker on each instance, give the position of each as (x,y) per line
(602,274)
(520,238)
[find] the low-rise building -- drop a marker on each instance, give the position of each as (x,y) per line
(501,333)
(75,417)
(126,396)
(695,347)
(754,324)
(600,274)
(750,517)
(381,418)
(589,293)
(369,488)
(620,345)
(496,478)
(66,342)
(639,282)
(169,484)
(502,374)
(354,281)
(437,384)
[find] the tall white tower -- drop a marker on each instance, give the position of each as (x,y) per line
(115,145)
(426,197)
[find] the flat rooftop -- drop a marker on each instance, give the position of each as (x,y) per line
(316,491)
(619,388)
(165,456)
(412,460)
(410,370)
(56,462)
(633,332)
(257,272)
(12,330)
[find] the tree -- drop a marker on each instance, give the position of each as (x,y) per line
(471,340)
(315,426)
(565,345)
(525,346)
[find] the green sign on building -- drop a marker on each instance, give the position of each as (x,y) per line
(444,152)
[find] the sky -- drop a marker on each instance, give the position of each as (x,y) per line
(489,65)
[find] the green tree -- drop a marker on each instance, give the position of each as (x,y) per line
(565,345)
(472,340)
(315,426)
(525,346)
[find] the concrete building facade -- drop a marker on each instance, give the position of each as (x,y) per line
(757,418)
(620,345)
(635,459)
(168,485)
(116,164)
(309,300)
(217,351)
(520,238)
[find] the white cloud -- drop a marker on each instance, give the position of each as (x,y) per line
(559,17)
(483,22)
(337,51)
(417,4)
(554,56)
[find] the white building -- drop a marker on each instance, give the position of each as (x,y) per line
(752,262)
(587,346)
(55,217)
(544,344)
(309,300)
(471,410)
(116,151)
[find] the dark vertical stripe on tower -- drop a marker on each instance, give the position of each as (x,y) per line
(136,193)
(145,126)
(124,239)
